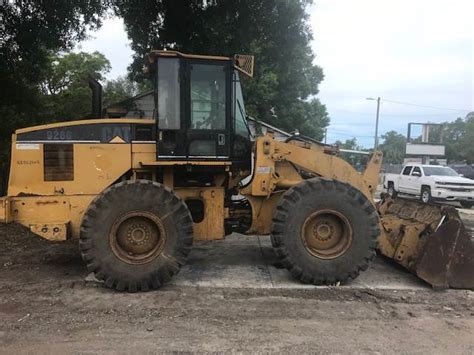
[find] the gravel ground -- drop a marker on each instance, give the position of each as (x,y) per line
(49,305)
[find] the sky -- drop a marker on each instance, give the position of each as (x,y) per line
(417,52)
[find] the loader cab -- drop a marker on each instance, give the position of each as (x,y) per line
(199,108)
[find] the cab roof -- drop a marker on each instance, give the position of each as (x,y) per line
(242,62)
(165,53)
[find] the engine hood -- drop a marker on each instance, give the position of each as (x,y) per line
(452,179)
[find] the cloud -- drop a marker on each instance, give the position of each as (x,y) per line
(112,41)
(410,51)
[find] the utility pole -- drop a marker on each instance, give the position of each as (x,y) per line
(325,135)
(376,144)
(376,141)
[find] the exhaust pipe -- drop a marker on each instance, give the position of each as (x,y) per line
(96,110)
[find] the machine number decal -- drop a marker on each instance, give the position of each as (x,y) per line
(59,135)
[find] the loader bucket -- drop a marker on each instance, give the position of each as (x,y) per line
(429,240)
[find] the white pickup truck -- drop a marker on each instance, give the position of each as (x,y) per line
(431,183)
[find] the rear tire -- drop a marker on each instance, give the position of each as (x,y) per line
(325,231)
(136,235)
(425,195)
(467,204)
(391,190)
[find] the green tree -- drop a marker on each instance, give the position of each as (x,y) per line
(356,159)
(453,136)
(348,144)
(393,147)
(466,143)
(122,89)
(30,31)
(65,89)
(275,31)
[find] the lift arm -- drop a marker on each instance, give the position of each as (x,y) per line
(277,164)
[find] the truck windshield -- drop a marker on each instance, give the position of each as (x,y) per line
(439,171)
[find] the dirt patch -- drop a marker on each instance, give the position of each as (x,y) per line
(47,305)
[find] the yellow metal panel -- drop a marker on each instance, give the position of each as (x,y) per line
(26,168)
(212,226)
(262,212)
(263,180)
(270,174)
(40,209)
(96,166)
(35,212)
(54,232)
(142,152)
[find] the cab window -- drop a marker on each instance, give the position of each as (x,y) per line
(168,94)
(407,170)
(240,115)
(208,97)
(416,169)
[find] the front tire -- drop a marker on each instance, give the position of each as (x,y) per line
(425,195)
(136,235)
(325,231)
(391,190)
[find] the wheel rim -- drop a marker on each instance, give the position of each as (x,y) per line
(425,196)
(390,191)
(137,237)
(327,234)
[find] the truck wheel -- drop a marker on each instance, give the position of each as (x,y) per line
(324,231)
(136,235)
(425,195)
(391,190)
(467,204)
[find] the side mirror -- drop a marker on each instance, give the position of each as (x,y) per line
(416,173)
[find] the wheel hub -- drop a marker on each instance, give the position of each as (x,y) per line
(137,237)
(326,234)
(323,231)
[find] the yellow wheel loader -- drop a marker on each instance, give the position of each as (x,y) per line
(138,192)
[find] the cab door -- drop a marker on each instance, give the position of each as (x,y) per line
(404,181)
(171,125)
(208,110)
(416,174)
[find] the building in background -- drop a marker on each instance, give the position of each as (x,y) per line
(427,148)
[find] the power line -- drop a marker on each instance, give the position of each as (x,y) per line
(425,106)
(340,130)
(335,133)
(394,114)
